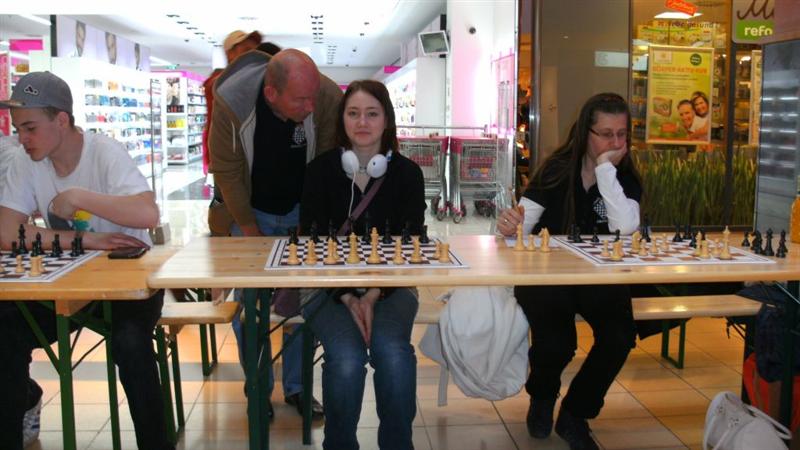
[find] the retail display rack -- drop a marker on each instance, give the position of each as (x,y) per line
(185,105)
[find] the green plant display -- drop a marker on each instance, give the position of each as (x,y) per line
(681,189)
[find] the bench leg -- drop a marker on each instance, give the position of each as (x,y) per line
(176,375)
(681,343)
(166,392)
(111,370)
(308,380)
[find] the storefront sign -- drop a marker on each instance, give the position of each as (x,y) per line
(5,92)
(679,95)
(752,20)
(682,6)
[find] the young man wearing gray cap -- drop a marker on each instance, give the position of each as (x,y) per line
(65,171)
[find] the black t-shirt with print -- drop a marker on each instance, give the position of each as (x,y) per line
(590,211)
(279,161)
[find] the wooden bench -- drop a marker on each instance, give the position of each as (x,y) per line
(174,315)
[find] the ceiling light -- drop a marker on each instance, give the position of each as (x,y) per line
(36,19)
(159,62)
(172,16)
(182,22)
(676,15)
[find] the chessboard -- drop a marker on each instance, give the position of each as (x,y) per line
(53,267)
(679,253)
(279,256)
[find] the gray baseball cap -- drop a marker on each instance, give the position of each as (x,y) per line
(40,90)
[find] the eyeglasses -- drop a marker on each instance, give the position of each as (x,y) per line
(609,135)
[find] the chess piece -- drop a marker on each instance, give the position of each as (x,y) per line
(387,234)
(746,242)
(423,237)
(635,241)
(704,250)
(726,234)
(416,254)
(604,252)
(332,257)
(665,248)
(332,232)
(55,250)
(79,247)
(20,268)
(22,247)
(715,252)
(595,239)
(725,253)
(311,253)
(38,243)
(373,236)
(654,247)
(617,253)
(36,266)
(520,244)
(703,234)
(293,236)
(293,259)
(576,237)
(444,253)
(14,249)
(646,229)
(768,251)
(643,248)
(687,233)
(616,235)
(314,233)
(74,250)
(398,253)
(531,244)
(405,235)
(782,249)
(437,250)
(755,245)
(677,237)
(365,238)
(352,257)
(544,246)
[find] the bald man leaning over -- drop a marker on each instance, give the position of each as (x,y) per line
(271,116)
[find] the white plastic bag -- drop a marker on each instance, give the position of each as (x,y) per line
(733,425)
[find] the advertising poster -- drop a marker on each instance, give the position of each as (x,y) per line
(5,92)
(679,95)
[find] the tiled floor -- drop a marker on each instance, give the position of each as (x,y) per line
(650,405)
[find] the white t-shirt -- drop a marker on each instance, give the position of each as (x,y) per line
(105,167)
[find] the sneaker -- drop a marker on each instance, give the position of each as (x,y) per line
(540,417)
(30,424)
(575,431)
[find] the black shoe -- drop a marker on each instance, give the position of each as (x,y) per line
(540,417)
(575,431)
(297,401)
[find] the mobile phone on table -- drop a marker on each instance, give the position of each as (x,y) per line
(127,253)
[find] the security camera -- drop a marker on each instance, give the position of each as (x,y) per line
(472,30)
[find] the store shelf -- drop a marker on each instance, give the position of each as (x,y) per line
(186,119)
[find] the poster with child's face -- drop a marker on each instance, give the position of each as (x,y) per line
(678,95)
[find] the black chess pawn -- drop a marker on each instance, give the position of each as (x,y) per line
(314,233)
(768,251)
(687,233)
(693,241)
(576,237)
(703,234)
(387,234)
(755,246)
(55,250)
(332,232)
(293,236)
(646,229)
(616,235)
(595,239)
(746,241)
(423,237)
(74,250)
(365,238)
(405,236)
(677,237)
(22,247)
(80,245)
(14,249)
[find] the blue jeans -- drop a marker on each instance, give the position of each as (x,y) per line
(344,368)
(273,225)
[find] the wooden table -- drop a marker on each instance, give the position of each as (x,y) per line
(98,279)
(234,262)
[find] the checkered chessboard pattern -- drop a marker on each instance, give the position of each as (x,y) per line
(279,256)
(54,267)
(679,254)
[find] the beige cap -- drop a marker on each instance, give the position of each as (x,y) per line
(238,36)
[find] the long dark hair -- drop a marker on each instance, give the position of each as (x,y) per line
(565,162)
(379,91)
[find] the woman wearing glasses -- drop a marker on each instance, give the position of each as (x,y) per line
(590,181)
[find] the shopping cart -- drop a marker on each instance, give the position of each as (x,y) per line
(476,166)
(429,153)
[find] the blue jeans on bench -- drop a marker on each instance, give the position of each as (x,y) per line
(344,368)
(292,373)
(132,346)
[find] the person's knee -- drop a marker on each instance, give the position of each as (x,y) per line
(552,351)
(345,364)
(616,340)
(131,344)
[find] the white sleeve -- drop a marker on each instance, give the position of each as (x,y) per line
(17,190)
(622,212)
(533,212)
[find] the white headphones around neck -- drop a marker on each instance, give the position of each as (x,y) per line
(376,167)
